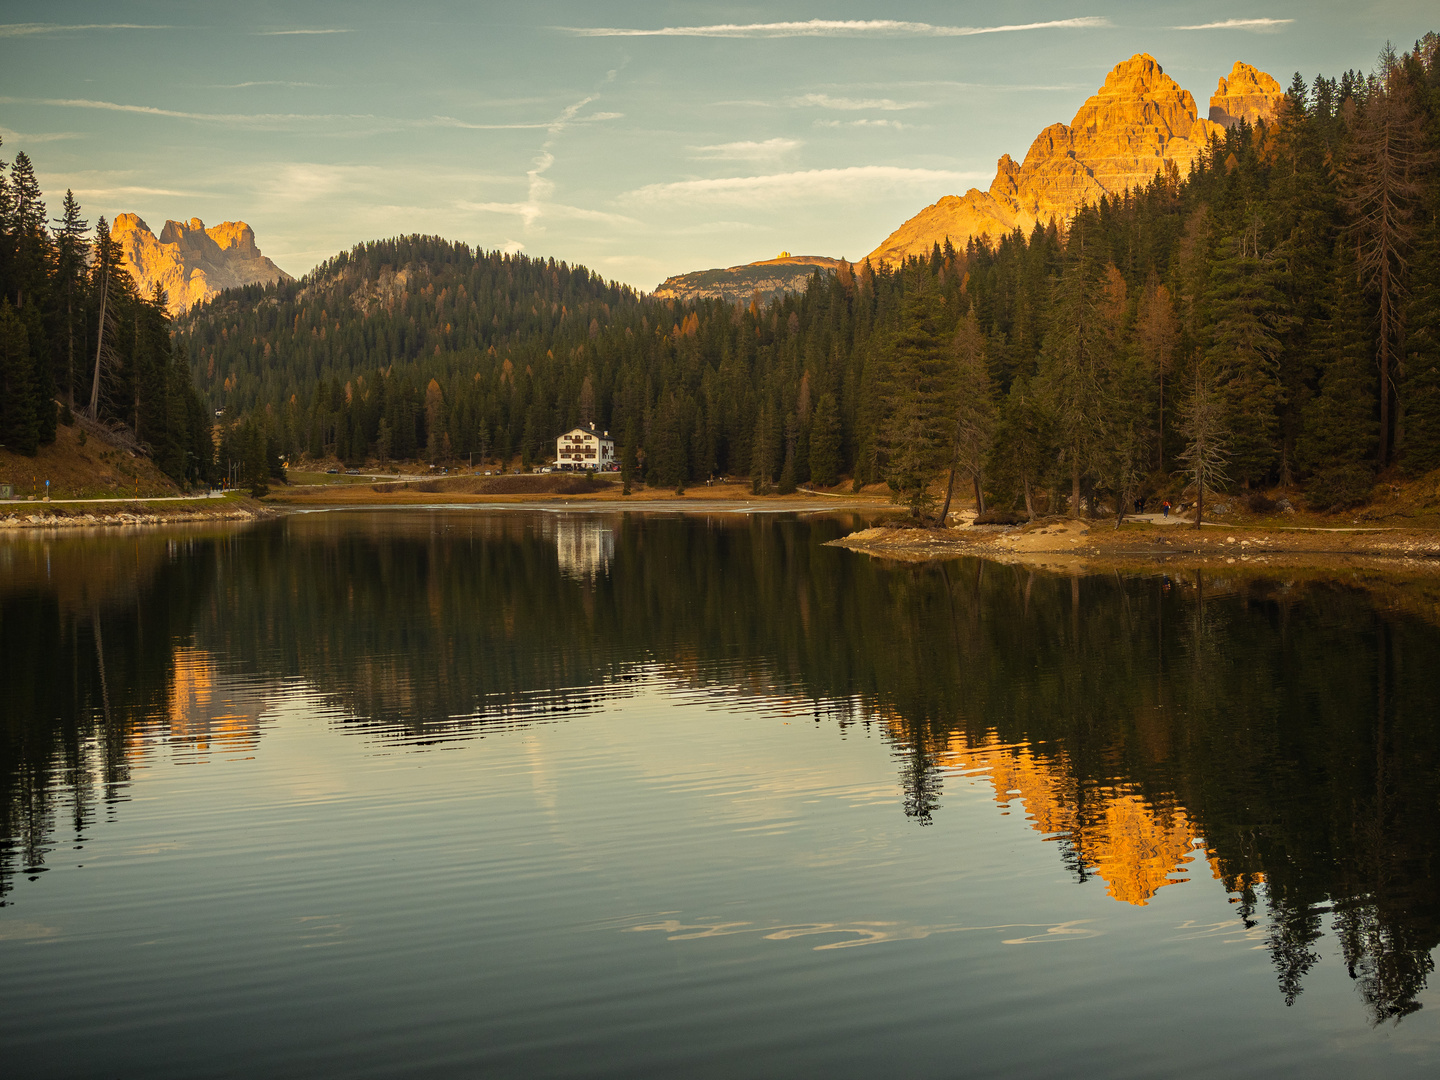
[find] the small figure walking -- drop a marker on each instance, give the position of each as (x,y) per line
(1166,507)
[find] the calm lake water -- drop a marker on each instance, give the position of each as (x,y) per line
(460,793)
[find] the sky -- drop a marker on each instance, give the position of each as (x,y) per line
(640,140)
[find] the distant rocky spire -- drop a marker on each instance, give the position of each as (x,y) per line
(190,262)
(1137,123)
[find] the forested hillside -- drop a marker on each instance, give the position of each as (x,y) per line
(75,337)
(1274,317)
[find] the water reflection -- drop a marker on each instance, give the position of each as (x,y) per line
(584,543)
(1274,735)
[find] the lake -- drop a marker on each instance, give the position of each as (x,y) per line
(519,793)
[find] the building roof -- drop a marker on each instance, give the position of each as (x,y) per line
(603,436)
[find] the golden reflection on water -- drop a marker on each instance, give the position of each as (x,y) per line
(1134,846)
(202,714)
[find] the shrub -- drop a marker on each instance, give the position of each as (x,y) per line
(1000,517)
(1260,503)
(1340,487)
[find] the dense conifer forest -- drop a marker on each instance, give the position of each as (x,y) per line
(76,337)
(1273,318)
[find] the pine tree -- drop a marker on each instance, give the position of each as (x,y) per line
(110,287)
(1206,446)
(1075,359)
(19,404)
(628,456)
(1341,429)
(1421,388)
(1157,333)
(1247,309)
(1024,443)
(916,432)
(30,241)
(825,462)
(1382,186)
(974,409)
(70,248)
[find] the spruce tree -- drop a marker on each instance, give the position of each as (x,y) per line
(1074,360)
(70,230)
(1341,428)
(1024,443)
(1206,451)
(1390,152)
(19,399)
(974,409)
(825,462)
(1247,308)
(916,393)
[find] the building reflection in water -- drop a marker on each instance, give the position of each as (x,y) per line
(584,544)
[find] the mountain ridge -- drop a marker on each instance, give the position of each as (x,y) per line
(763,280)
(190,262)
(1138,123)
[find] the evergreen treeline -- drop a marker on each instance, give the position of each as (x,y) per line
(75,336)
(1272,318)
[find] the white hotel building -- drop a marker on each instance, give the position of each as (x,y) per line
(585,448)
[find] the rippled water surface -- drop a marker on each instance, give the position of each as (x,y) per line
(528,794)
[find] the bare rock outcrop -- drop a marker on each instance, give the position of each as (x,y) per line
(772,277)
(1138,123)
(190,262)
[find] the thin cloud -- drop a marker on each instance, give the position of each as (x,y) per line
(130,191)
(176,114)
(298,33)
(832,28)
(825,101)
(258,82)
(954,84)
(1257,25)
(768,150)
(28,29)
(895,124)
(529,211)
(49,136)
(831,185)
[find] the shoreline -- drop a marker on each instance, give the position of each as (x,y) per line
(1071,546)
(131,513)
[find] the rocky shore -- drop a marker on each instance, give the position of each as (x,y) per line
(1068,544)
(16,516)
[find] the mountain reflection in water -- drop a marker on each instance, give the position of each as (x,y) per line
(1276,734)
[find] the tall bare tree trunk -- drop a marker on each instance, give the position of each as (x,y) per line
(99,345)
(1383,188)
(949,491)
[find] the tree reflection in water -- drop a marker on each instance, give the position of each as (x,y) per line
(1276,734)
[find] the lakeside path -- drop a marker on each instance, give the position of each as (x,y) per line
(771,505)
(429,494)
(571,493)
